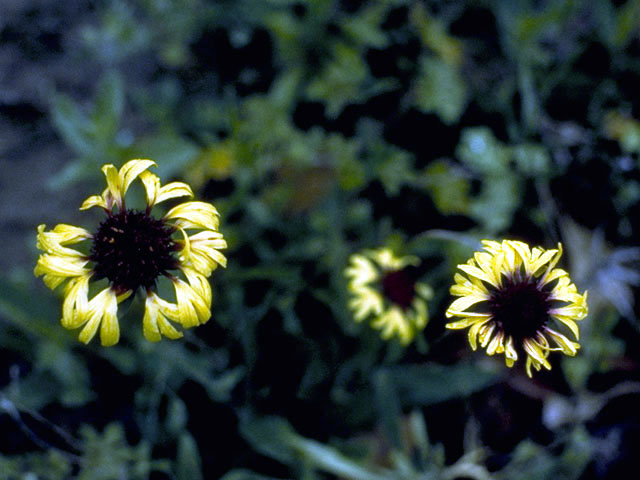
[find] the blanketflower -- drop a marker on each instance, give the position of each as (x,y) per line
(132,250)
(510,299)
(383,290)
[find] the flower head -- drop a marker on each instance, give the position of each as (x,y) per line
(516,293)
(132,250)
(384,290)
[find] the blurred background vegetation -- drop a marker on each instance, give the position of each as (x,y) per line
(319,128)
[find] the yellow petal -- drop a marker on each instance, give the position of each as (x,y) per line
(155,323)
(94,201)
(174,190)
(194,215)
(554,261)
(478,273)
(192,308)
(56,269)
(103,313)
(568,347)
(366,301)
(419,314)
(511,260)
(535,352)
(151,185)
(393,322)
(90,328)
(199,284)
(528,366)
(511,355)
(130,171)
(495,346)
(75,305)
(539,259)
(361,270)
(496,269)
(464,323)
(522,249)
(388,260)
(424,291)
(465,286)
(551,275)
(113,183)
(484,333)
(200,251)
(109,329)
(473,333)
(54,241)
(492,246)
(574,311)
(459,305)
(482,258)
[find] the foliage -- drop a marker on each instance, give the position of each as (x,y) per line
(319,128)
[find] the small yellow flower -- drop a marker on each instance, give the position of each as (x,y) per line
(384,291)
(515,293)
(131,249)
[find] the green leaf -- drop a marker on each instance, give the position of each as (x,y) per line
(577,370)
(274,437)
(466,243)
(342,80)
(577,454)
(108,456)
(364,27)
(482,152)
(177,416)
(330,460)
(188,459)
(627,22)
(529,462)
(284,89)
(606,24)
(497,202)
(417,430)
(270,436)
(531,159)
(220,387)
(173,154)
(108,107)
(242,474)
(395,170)
(68,370)
(431,383)
(433,33)
(389,411)
(448,187)
(34,318)
(34,391)
(440,89)
(49,465)
(72,124)
(69,174)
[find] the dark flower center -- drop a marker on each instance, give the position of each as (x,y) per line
(131,249)
(520,307)
(399,287)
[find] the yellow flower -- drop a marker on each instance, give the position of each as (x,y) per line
(132,249)
(384,291)
(516,293)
